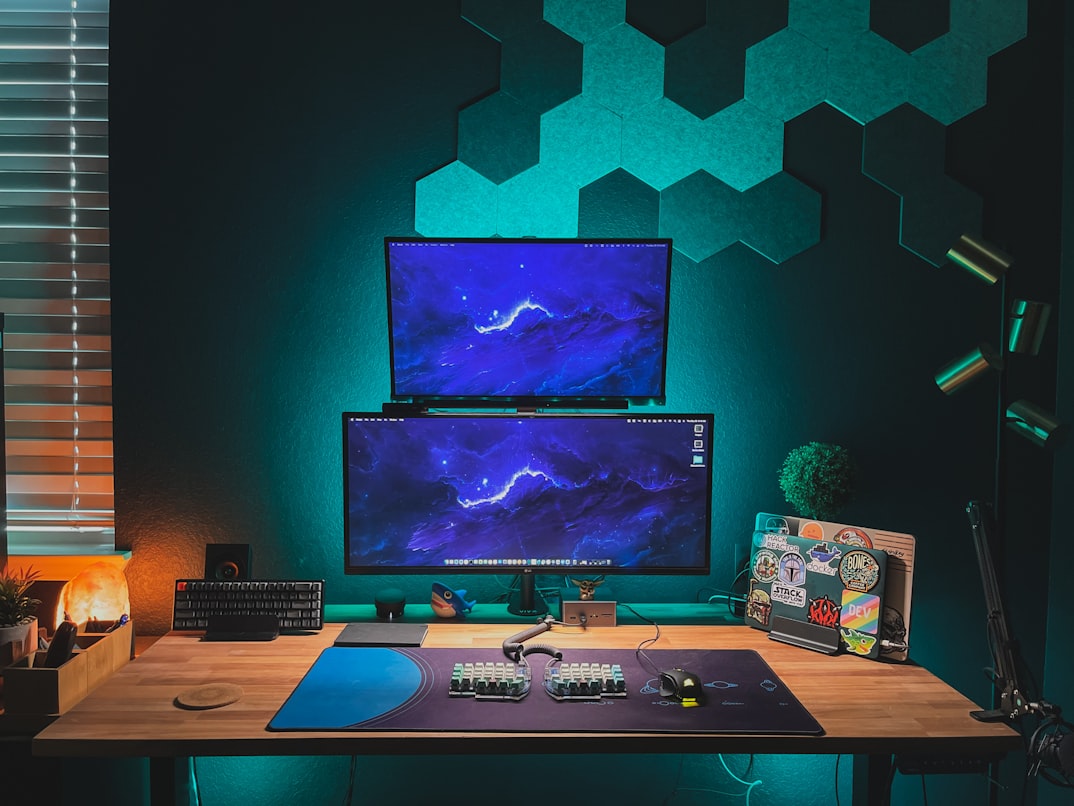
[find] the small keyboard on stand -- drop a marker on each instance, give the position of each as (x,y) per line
(248,608)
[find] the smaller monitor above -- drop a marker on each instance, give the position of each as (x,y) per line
(528,322)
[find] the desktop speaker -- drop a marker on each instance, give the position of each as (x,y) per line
(227,561)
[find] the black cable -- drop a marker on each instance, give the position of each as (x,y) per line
(351,778)
(639,650)
(837,758)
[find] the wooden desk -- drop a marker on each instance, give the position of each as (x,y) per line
(906,710)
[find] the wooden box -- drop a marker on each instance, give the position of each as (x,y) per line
(33,689)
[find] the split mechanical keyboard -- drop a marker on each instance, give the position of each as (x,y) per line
(505,681)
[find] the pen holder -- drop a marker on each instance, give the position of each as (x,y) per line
(30,688)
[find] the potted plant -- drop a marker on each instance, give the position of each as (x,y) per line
(18,615)
(819,479)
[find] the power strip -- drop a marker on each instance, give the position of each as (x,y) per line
(588,613)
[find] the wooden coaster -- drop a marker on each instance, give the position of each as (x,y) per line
(210,695)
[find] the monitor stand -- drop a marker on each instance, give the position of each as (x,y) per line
(526,601)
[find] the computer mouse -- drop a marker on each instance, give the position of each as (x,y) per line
(683,686)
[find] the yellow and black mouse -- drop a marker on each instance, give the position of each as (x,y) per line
(684,686)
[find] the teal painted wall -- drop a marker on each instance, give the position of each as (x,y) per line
(260,154)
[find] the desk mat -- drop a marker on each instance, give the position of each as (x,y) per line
(406,689)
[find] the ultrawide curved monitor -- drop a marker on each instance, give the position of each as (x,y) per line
(525,320)
(551,493)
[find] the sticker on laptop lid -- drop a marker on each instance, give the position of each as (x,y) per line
(765,565)
(861,612)
(853,536)
(859,571)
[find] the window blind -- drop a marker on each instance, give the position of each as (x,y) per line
(54,274)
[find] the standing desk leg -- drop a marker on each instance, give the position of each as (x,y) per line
(872,779)
(171,781)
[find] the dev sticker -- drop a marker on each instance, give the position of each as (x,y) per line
(788,594)
(860,611)
(859,571)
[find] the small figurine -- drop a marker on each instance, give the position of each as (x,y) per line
(447,603)
(587,588)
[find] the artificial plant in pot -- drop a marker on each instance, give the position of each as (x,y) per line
(819,479)
(18,615)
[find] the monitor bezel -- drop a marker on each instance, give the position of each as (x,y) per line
(432,399)
(702,569)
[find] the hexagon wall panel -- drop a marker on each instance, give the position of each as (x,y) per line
(608,96)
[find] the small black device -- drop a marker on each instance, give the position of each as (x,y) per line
(684,686)
(389,603)
(62,646)
(228,561)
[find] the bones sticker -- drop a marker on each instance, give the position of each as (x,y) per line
(859,571)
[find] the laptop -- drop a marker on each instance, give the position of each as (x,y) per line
(816,542)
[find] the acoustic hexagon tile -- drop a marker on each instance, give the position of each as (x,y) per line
(781,217)
(581,140)
(500,20)
(909,24)
(623,69)
(991,24)
(665,22)
(828,22)
(618,205)
(540,203)
(742,145)
(541,67)
(702,214)
(585,21)
(934,215)
(786,74)
(867,76)
(905,151)
(455,200)
(499,137)
(702,73)
(660,143)
(948,78)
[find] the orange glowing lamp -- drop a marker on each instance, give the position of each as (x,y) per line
(98,593)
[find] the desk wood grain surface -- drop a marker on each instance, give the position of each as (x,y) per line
(864,706)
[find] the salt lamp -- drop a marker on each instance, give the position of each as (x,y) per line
(98,593)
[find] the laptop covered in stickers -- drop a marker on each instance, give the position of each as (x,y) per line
(831,587)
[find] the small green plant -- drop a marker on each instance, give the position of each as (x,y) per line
(819,479)
(17,606)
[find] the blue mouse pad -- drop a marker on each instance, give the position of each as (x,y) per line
(406,688)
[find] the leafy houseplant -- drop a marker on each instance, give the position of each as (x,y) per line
(819,479)
(18,615)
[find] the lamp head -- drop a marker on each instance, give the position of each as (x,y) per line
(1035,424)
(957,374)
(982,260)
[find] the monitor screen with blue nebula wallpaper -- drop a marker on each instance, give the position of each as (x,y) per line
(527,319)
(552,493)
